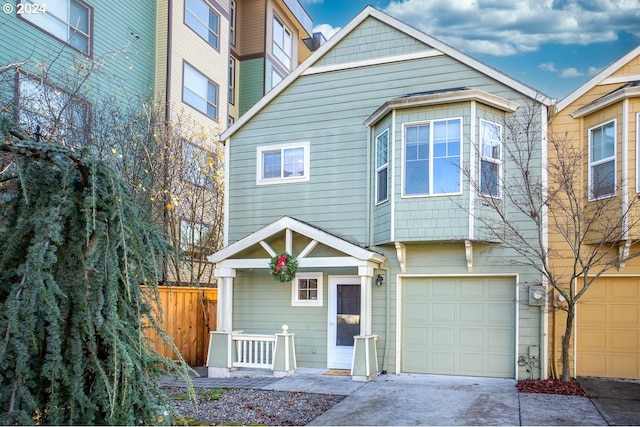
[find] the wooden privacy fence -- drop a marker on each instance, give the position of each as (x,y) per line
(188,315)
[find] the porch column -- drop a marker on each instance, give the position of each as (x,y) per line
(365,357)
(221,349)
(366,278)
(224,313)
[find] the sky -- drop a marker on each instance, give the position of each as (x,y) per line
(554,46)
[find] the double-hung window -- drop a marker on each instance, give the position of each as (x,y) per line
(382,167)
(602,161)
(66,20)
(199,92)
(432,153)
(490,158)
(282,43)
(203,20)
(283,163)
(60,116)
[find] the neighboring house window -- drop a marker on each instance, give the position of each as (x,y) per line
(70,21)
(490,158)
(432,158)
(602,161)
(194,236)
(199,92)
(195,163)
(232,81)
(231,121)
(275,78)
(232,22)
(203,20)
(283,163)
(282,43)
(60,117)
(307,290)
(382,167)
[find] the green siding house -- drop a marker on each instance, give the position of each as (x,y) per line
(355,166)
(64,60)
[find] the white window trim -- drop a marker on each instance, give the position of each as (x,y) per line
(402,154)
(379,169)
(608,159)
(282,180)
(288,56)
(295,302)
(499,161)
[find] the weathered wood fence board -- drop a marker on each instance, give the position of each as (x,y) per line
(188,315)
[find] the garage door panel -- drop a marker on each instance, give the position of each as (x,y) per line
(608,329)
(500,339)
(471,324)
(444,337)
(623,314)
(471,337)
(442,362)
(624,340)
(442,313)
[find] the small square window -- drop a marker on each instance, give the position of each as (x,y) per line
(203,20)
(307,290)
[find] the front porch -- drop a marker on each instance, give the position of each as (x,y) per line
(315,250)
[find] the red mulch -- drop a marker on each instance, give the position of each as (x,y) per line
(569,388)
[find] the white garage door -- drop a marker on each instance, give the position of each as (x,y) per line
(458,326)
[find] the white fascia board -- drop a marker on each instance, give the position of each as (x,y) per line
(307,230)
(605,101)
(311,262)
(598,79)
(442,98)
(400,26)
(462,57)
(430,53)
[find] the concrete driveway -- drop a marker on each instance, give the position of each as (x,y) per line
(618,401)
(444,400)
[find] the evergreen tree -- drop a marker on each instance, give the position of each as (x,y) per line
(74,253)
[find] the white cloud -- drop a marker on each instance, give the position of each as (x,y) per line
(548,66)
(504,28)
(568,73)
(306,2)
(326,29)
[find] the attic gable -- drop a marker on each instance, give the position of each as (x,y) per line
(371,39)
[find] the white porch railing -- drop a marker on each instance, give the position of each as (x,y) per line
(253,351)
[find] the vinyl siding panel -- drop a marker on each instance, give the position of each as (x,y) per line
(251,27)
(251,83)
(188,46)
(129,64)
(329,110)
(262,306)
(371,39)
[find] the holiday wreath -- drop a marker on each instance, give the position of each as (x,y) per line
(283,267)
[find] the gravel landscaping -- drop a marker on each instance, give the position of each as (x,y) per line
(247,406)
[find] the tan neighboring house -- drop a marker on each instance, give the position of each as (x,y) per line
(602,119)
(269,39)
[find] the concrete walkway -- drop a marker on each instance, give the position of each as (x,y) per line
(408,399)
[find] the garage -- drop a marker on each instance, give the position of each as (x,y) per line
(458,326)
(608,332)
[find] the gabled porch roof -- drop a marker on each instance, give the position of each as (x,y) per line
(354,255)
